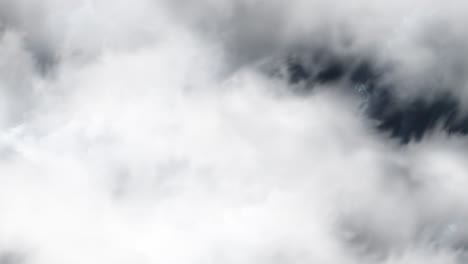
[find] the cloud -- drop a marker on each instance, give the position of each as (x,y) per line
(157,131)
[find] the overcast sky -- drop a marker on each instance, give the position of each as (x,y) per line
(168,131)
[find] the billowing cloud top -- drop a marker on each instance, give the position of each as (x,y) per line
(233,131)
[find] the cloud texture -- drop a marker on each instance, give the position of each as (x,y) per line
(169,132)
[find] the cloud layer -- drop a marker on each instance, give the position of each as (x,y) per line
(171,132)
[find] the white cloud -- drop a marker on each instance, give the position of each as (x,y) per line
(155,138)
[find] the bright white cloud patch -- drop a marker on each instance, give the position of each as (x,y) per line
(146,132)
